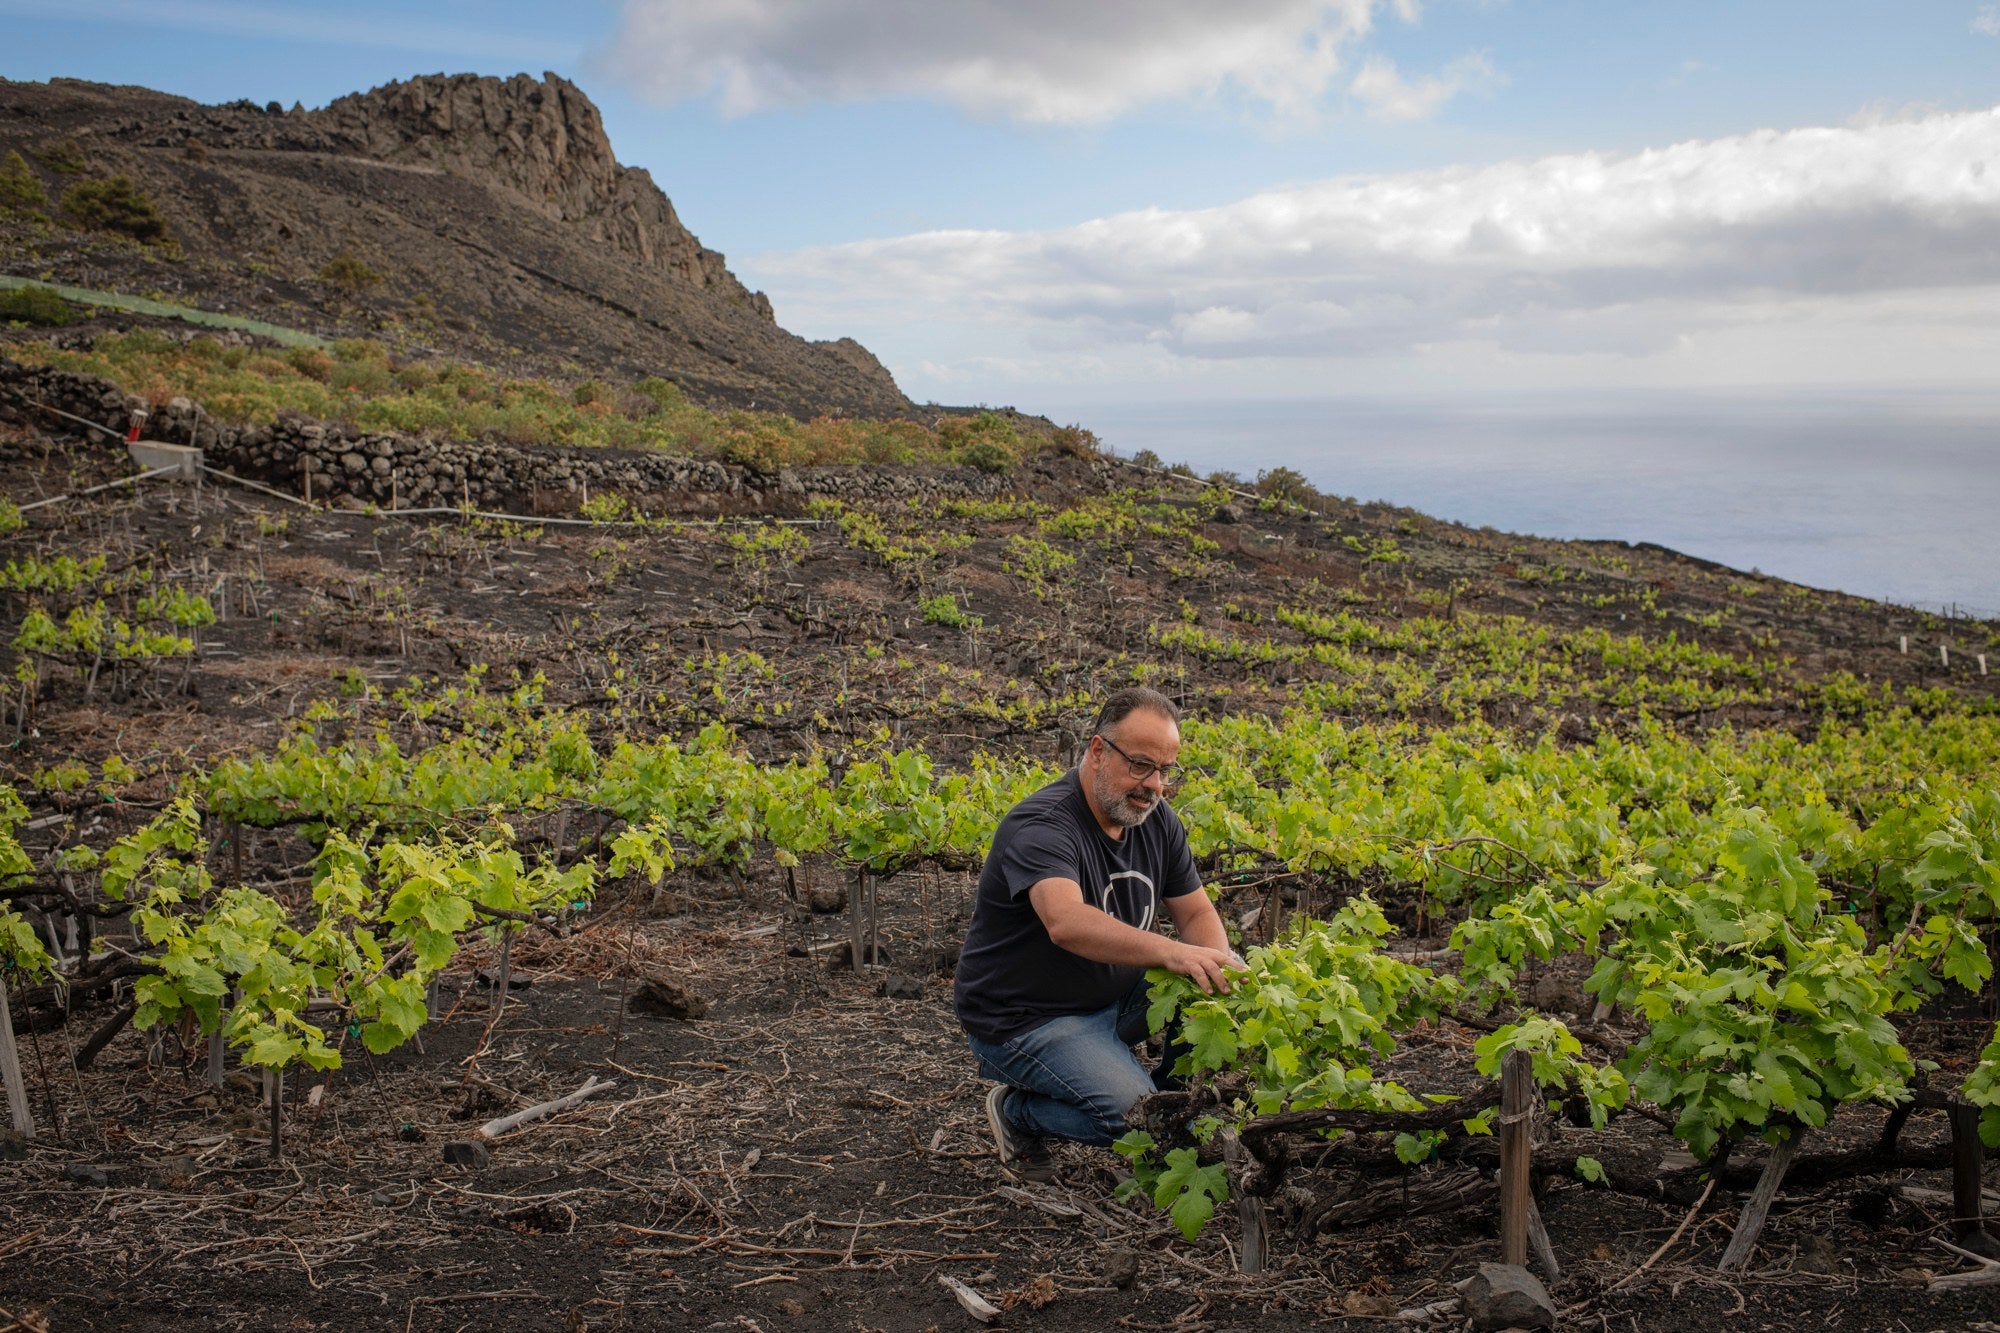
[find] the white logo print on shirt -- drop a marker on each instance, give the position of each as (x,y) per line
(1129,896)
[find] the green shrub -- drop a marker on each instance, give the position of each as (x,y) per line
(311,362)
(1075,441)
(115,205)
(209,351)
(36,305)
(988,441)
(761,446)
(986,455)
(20,188)
(366,378)
(362,352)
(664,393)
(944,609)
(65,157)
(1286,485)
(348,272)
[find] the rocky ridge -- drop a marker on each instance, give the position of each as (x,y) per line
(542,142)
(475,216)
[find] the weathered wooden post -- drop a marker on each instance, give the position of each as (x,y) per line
(1968,1162)
(857,925)
(504,983)
(274,1092)
(1249,1207)
(1517,1111)
(10,1072)
(1751,1224)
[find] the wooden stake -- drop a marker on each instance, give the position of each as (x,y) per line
(505,982)
(1751,1224)
(857,935)
(618,1028)
(215,1057)
(10,1073)
(1968,1161)
(1249,1207)
(1982,664)
(1517,1090)
(1538,1236)
(1944,655)
(274,1089)
(1905,644)
(875,922)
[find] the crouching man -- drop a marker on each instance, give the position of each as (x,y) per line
(1051,983)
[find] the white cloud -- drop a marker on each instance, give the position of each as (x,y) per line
(1050,61)
(1580,256)
(1987,20)
(1387,95)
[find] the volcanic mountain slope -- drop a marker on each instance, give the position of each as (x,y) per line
(482,217)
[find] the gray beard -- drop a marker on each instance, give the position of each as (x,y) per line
(1122,812)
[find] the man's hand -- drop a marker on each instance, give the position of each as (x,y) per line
(1089,933)
(1207,968)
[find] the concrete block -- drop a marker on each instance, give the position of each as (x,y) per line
(150,454)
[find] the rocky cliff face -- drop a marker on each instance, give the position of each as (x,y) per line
(544,143)
(489,217)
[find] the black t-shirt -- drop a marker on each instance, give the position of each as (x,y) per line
(1011,976)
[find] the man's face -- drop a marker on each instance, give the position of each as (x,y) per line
(1147,739)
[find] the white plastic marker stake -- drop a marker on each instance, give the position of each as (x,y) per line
(1944,655)
(1906,643)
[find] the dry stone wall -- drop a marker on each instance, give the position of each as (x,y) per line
(348,465)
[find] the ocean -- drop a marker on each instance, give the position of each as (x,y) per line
(1890,498)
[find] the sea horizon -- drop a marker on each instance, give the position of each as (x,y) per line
(1886,496)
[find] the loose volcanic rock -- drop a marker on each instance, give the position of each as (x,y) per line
(660,995)
(1506,1296)
(468,1153)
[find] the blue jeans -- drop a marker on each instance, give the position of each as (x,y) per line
(1075,1076)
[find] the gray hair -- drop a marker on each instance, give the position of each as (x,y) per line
(1134,699)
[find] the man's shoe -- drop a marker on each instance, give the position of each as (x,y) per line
(1020,1153)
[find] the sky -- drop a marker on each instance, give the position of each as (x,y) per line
(1067,206)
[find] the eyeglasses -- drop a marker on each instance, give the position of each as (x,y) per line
(1145,768)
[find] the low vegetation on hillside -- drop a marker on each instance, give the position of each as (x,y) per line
(363,382)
